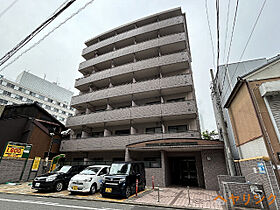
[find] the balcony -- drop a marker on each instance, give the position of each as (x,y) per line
(167,44)
(140,90)
(168,63)
(118,142)
(176,23)
(139,114)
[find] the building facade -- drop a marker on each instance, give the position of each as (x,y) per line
(137,102)
(31,124)
(29,88)
(254,111)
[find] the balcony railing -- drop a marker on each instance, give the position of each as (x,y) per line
(118,142)
(130,50)
(135,32)
(183,80)
(134,67)
(137,112)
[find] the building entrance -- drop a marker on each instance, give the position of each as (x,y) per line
(183,171)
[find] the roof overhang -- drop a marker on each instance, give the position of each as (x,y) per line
(176,145)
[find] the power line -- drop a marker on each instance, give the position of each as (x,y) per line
(252,31)
(248,40)
(210,33)
(8,55)
(225,46)
(230,43)
(7,9)
(218,33)
(45,36)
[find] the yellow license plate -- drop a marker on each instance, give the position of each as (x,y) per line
(75,187)
(108,190)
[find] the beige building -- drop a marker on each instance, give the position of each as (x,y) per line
(254,109)
(137,102)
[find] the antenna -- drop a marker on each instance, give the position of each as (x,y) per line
(45,76)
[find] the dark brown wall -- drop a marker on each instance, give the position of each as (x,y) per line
(40,141)
(13,130)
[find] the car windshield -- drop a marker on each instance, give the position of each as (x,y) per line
(63,169)
(120,168)
(90,171)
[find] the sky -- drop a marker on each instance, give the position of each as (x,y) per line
(58,56)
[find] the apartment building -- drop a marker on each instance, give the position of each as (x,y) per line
(29,88)
(137,102)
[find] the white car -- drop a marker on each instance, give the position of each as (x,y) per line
(88,180)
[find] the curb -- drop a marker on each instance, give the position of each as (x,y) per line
(111,201)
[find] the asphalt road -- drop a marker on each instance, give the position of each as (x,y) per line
(25,202)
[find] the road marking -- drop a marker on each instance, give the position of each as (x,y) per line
(53,204)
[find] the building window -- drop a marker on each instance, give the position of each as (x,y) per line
(176,100)
(29,100)
(154,130)
(41,97)
(153,102)
(20,89)
(6,93)
(2,101)
(55,110)
(10,85)
(48,107)
(50,100)
(18,97)
(70,115)
(177,128)
(65,106)
(32,94)
(63,112)
(122,132)
(98,134)
(152,162)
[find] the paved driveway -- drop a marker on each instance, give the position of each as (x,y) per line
(169,197)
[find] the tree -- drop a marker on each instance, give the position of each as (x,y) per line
(209,135)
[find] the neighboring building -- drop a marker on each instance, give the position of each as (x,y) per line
(30,123)
(254,110)
(225,79)
(29,88)
(137,102)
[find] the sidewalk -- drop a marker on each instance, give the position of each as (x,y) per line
(169,197)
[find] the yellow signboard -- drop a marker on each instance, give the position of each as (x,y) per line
(36,164)
(14,151)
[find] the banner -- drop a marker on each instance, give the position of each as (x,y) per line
(14,151)
(36,164)
(17,150)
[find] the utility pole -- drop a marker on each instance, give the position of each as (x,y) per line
(223,131)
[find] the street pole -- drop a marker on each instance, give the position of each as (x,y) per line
(224,133)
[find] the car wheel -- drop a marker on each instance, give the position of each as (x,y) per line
(93,189)
(58,186)
(127,192)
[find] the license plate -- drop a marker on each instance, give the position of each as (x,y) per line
(108,190)
(37,184)
(75,187)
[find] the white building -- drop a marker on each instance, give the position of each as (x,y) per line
(29,88)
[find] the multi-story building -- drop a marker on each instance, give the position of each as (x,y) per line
(137,102)
(29,88)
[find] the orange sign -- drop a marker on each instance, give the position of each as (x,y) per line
(14,151)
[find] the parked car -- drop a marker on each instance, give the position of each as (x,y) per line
(56,180)
(88,180)
(121,180)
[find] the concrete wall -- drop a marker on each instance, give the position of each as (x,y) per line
(11,170)
(212,168)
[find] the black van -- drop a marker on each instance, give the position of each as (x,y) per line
(121,180)
(56,180)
